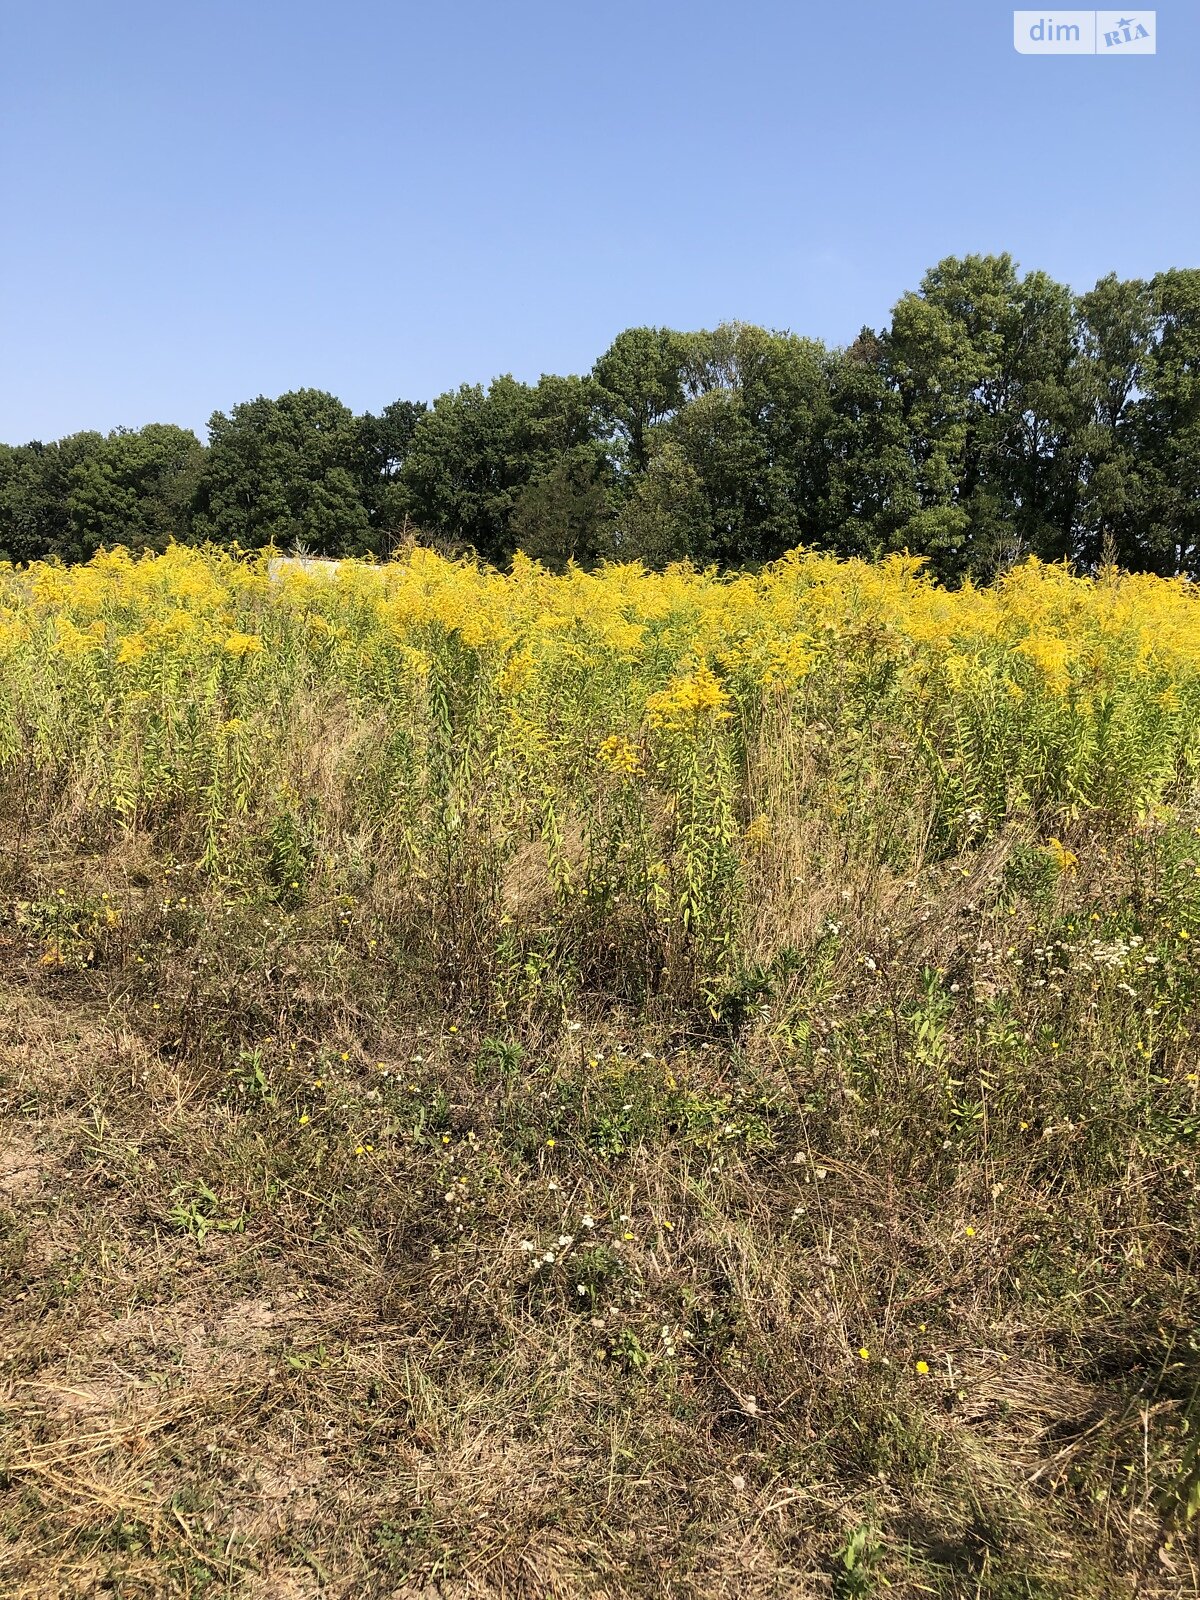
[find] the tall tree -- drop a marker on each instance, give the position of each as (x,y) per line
(135,489)
(35,482)
(983,361)
(515,463)
(564,512)
(756,407)
(283,472)
(1168,426)
(1117,336)
(871,491)
(640,381)
(664,515)
(467,463)
(382,448)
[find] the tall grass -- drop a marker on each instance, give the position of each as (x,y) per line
(657,739)
(708,1062)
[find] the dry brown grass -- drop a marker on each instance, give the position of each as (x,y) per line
(259,1339)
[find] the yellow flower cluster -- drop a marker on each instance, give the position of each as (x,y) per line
(619,755)
(697,692)
(479,702)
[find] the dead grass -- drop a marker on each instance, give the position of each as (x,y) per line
(274,1218)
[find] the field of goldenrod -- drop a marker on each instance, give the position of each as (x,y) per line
(674,1073)
(653,737)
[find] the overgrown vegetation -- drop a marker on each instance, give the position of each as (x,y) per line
(616,1084)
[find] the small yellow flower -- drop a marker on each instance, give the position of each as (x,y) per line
(243,644)
(304,1120)
(758,831)
(619,755)
(864,1352)
(922,1367)
(1065,860)
(970,1232)
(549,1144)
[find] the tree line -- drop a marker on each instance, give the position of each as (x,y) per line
(999,415)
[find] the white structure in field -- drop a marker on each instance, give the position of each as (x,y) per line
(311,566)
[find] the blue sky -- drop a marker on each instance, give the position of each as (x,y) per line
(203,203)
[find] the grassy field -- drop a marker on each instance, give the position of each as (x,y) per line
(615,1085)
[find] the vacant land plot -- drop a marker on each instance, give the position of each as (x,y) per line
(619,1085)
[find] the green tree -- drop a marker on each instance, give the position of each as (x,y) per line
(871,491)
(382,448)
(35,481)
(984,363)
(1168,427)
(514,463)
(467,463)
(565,514)
(664,515)
(640,384)
(135,489)
(283,472)
(756,409)
(1117,325)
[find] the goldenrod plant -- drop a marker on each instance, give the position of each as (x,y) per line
(651,729)
(621,1082)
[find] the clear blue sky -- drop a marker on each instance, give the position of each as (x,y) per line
(205,202)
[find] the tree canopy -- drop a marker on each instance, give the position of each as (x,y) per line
(998,415)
